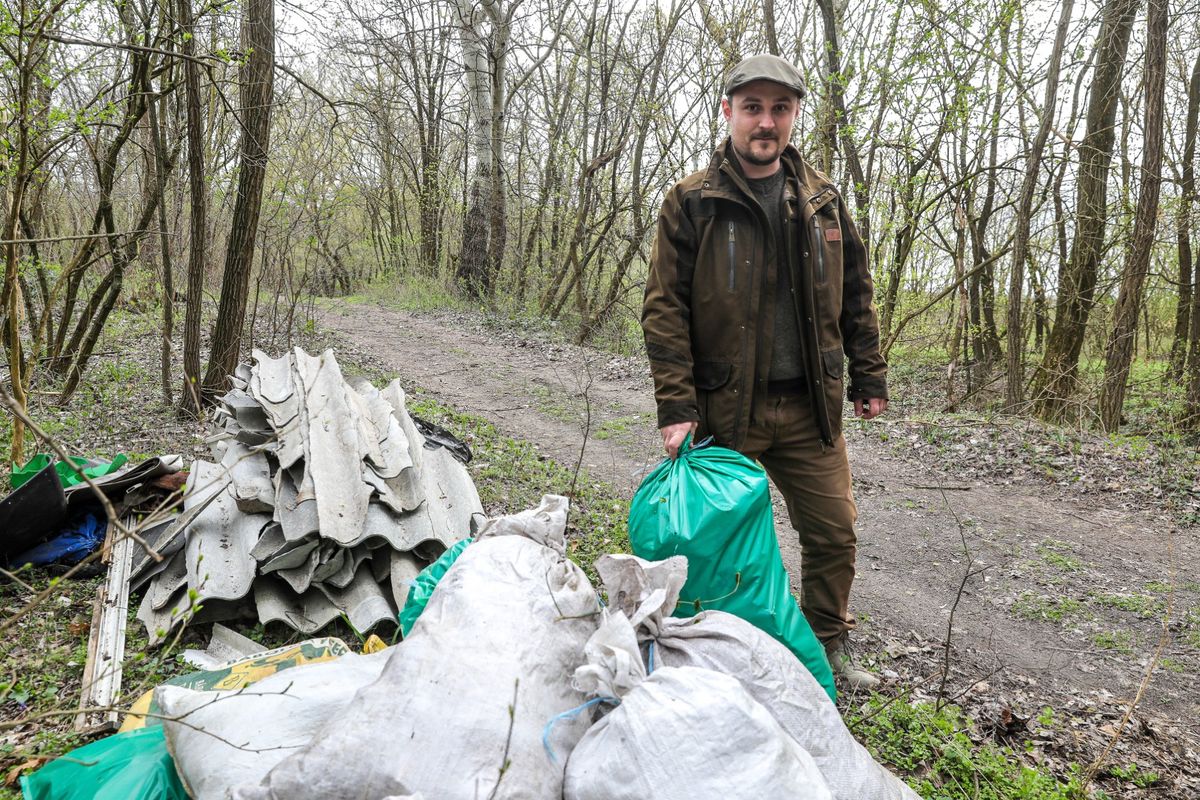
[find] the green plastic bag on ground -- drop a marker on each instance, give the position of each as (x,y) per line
(424,584)
(713,505)
(67,475)
(124,766)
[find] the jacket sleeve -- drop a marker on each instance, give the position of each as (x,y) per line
(859,321)
(666,312)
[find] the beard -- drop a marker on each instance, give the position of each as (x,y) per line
(748,155)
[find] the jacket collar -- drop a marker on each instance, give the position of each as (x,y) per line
(724,177)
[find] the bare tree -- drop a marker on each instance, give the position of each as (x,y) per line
(189,397)
(1188,288)
(257,86)
(1014,387)
(1119,352)
(1056,376)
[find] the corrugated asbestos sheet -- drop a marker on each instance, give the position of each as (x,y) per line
(322,500)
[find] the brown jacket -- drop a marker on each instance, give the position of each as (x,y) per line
(708,318)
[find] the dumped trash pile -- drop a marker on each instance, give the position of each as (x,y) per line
(323,498)
(515,681)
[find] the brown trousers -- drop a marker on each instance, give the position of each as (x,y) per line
(815,483)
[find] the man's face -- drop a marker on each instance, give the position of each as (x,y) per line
(761,115)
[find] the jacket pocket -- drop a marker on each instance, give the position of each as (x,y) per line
(715,400)
(712,375)
(833,364)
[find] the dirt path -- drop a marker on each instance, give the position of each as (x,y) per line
(1070,602)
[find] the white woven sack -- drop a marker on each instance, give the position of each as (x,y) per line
(679,734)
(769,672)
(222,739)
(512,614)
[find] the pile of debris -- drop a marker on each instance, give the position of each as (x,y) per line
(324,499)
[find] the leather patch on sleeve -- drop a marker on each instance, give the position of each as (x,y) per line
(833,234)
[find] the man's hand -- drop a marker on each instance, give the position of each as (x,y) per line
(673,436)
(870,408)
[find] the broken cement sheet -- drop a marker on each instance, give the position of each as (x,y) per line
(219,564)
(331,448)
(276,601)
(224,647)
(253,490)
(347,483)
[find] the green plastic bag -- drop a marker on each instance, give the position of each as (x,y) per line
(124,766)
(68,475)
(713,506)
(425,583)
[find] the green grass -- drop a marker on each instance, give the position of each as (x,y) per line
(1054,553)
(559,404)
(936,749)
(1144,605)
(1132,773)
(511,476)
(1119,641)
(1052,609)
(409,293)
(621,426)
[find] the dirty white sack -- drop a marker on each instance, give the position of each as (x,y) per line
(485,668)
(648,592)
(222,739)
(681,733)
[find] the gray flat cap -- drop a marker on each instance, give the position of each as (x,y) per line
(765,68)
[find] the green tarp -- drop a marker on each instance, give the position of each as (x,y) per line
(425,583)
(68,474)
(124,766)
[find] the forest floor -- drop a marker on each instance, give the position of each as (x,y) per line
(1070,563)
(1079,553)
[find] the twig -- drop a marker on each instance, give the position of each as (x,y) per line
(967,575)
(939,488)
(908,690)
(13,577)
(512,719)
(41,596)
(80,237)
(1163,640)
(975,683)
(587,428)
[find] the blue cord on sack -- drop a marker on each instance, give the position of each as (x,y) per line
(650,665)
(574,712)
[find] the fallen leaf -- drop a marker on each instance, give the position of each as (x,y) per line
(14,774)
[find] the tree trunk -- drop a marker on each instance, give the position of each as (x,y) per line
(189,395)
(1014,387)
(1057,375)
(474,272)
(839,120)
(168,279)
(1187,270)
(1119,352)
(257,79)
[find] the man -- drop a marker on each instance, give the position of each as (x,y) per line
(758,284)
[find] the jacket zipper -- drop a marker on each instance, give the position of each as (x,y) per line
(819,248)
(732,254)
